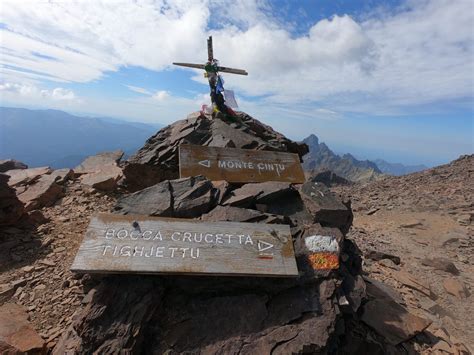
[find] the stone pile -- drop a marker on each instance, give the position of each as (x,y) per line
(157,160)
(225,314)
(241,315)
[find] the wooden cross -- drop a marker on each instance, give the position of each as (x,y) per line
(212,69)
(212,61)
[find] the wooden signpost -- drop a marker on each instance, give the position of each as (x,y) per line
(152,245)
(239,165)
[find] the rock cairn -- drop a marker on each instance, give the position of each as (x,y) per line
(248,315)
(157,160)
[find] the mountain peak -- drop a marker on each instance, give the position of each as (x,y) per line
(322,158)
(312,140)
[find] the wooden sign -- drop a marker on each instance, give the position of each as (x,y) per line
(143,245)
(239,165)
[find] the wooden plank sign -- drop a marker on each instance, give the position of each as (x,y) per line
(239,165)
(148,245)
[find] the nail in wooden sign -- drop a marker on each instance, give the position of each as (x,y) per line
(153,245)
(239,165)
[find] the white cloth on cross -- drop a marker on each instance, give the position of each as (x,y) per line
(230,99)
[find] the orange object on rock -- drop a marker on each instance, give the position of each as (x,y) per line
(324,261)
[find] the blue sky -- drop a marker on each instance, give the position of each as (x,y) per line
(392,79)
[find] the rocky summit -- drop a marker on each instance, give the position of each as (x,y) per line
(338,310)
(157,160)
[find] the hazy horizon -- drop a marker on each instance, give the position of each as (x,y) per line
(340,149)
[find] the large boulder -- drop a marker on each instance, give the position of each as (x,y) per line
(11,209)
(158,158)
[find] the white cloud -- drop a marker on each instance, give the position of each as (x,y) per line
(422,53)
(79,41)
(32,92)
(161,95)
(62,94)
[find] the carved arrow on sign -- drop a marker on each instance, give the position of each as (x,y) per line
(264,245)
(206,163)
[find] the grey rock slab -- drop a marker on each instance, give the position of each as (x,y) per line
(241,200)
(325,207)
(185,198)
(198,199)
(154,201)
(265,192)
(234,214)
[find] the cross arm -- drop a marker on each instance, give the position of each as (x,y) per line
(191,65)
(232,70)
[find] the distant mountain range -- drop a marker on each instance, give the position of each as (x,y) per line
(320,158)
(398,169)
(58,139)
